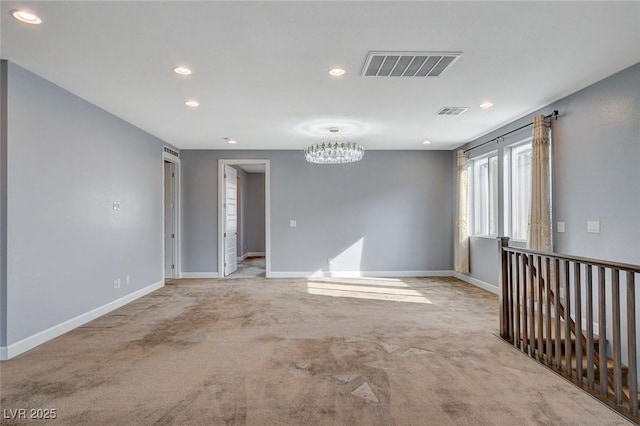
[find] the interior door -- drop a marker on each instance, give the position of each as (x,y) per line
(169,219)
(230,220)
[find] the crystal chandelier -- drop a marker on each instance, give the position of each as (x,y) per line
(335,149)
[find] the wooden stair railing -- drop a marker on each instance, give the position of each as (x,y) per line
(533,282)
(572,325)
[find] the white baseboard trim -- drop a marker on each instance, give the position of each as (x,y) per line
(15,349)
(255,254)
(199,275)
(478,283)
(243,257)
(356,274)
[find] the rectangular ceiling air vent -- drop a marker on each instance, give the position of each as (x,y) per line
(408,64)
(172,152)
(452,111)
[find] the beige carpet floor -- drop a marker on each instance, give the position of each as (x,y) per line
(415,351)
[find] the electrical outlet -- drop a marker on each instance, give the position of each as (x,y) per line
(593,226)
(560,227)
(128,280)
(116,205)
(115,283)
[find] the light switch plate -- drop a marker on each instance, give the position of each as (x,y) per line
(292,223)
(593,226)
(560,227)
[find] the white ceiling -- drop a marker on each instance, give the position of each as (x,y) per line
(260,68)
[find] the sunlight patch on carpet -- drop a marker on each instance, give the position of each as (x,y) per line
(336,289)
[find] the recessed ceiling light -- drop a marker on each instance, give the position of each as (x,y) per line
(182,70)
(486,105)
(192,103)
(25,16)
(336,72)
(231,141)
(426,142)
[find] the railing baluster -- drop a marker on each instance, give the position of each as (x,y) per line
(632,373)
(602,322)
(510,306)
(532,314)
(525,323)
(558,349)
(505,293)
(518,314)
(539,282)
(617,359)
(578,320)
(547,289)
(590,369)
(567,318)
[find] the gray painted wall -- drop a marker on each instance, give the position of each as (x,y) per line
(255,212)
(597,169)
(482,258)
(68,161)
(596,148)
(390,212)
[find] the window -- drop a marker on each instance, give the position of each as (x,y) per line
(518,195)
(484,193)
(515,188)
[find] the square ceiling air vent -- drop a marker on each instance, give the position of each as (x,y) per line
(408,64)
(452,110)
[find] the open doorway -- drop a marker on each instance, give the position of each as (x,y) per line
(171,210)
(243,218)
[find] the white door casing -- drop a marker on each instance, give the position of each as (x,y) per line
(230,220)
(169,219)
(221,215)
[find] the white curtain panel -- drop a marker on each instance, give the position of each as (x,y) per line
(540,212)
(461,246)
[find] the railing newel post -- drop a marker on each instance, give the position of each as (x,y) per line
(503,282)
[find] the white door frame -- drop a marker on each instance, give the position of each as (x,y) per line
(176,217)
(267,210)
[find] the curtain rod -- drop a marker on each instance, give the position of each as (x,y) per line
(553,114)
